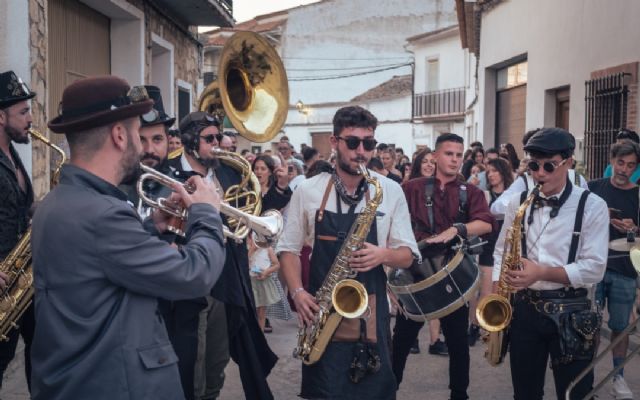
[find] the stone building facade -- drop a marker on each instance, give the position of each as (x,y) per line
(146,42)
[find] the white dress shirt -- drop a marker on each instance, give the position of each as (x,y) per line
(393,222)
(549,239)
(518,186)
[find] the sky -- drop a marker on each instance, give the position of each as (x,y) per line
(244,10)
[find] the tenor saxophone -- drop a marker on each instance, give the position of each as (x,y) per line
(340,296)
(495,311)
(18,294)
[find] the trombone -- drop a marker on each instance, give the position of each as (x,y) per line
(266,228)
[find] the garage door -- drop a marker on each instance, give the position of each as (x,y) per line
(510,116)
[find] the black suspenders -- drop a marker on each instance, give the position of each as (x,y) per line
(577,227)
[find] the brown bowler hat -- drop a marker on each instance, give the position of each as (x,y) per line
(97,101)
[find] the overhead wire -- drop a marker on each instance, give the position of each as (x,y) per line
(328,77)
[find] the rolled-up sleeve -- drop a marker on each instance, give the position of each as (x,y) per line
(591,259)
(144,264)
(499,207)
(400,233)
(294,233)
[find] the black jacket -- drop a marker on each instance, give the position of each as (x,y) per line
(247,344)
(14,203)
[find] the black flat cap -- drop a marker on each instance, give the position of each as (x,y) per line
(551,141)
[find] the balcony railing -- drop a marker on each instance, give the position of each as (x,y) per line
(439,103)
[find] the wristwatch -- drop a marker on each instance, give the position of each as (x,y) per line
(461,228)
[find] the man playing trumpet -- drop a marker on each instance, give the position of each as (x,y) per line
(98,273)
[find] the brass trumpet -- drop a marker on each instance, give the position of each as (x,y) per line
(266,228)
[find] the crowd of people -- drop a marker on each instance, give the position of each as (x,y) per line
(125,296)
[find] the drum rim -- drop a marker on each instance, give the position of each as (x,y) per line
(444,311)
(437,277)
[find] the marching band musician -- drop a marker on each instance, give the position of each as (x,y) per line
(564,251)
(154,137)
(356,363)
(449,215)
(232,327)
(16,198)
(98,273)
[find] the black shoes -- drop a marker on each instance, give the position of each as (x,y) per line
(267,326)
(474,334)
(415,349)
(438,348)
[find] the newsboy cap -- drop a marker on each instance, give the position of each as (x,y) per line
(13,90)
(551,141)
(96,101)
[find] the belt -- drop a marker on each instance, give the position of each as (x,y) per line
(555,301)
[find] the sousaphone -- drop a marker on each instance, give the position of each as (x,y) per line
(251,89)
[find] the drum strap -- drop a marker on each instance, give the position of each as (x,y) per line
(428,203)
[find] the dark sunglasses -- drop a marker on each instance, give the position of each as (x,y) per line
(548,166)
(353,142)
(212,138)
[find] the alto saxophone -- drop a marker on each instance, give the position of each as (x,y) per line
(16,297)
(340,296)
(495,311)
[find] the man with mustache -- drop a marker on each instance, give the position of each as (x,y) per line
(208,330)
(98,272)
(356,363)
(618,288)
(154,136)
(16,198)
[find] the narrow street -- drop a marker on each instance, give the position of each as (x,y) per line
(426,375)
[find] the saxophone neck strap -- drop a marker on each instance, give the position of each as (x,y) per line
(325,197)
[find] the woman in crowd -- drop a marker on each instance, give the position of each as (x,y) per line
(509,152)
(499,178)
(423,164)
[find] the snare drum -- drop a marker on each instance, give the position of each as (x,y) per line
(445,287)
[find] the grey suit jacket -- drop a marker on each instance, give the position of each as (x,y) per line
(98,273)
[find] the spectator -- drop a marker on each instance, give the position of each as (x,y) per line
(509,152)
(424,164)
(625,134)
(175,142)
(377,165)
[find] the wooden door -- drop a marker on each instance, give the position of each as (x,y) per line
(511,106)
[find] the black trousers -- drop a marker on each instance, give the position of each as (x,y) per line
(182,320)
(534,337)
(455,328)
(8,348)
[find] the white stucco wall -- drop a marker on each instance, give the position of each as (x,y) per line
(14,52)
(354,33)
(452,64)
(564,42)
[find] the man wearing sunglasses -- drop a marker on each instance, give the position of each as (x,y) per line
(563,254)
(527,182)
(322,210)
(207,331)
(618,288)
